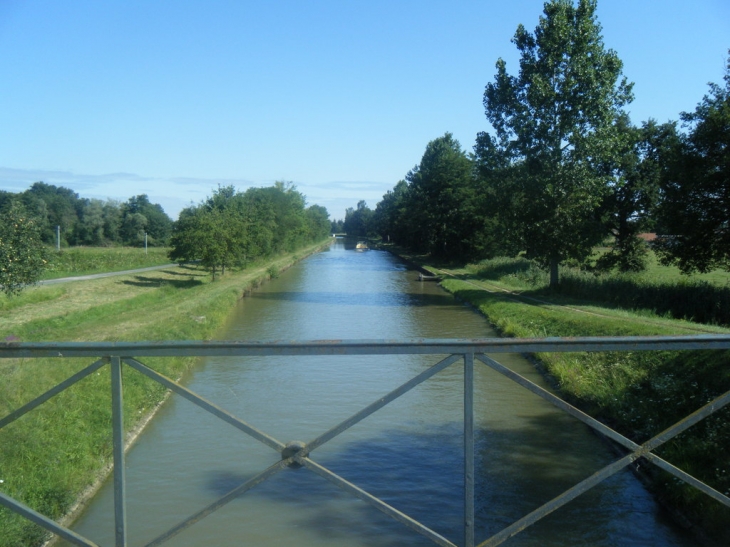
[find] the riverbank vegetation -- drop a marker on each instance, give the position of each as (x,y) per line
(563,168)
(51,455)
(637,393)
(562,172)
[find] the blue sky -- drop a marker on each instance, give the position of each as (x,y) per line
(118,98)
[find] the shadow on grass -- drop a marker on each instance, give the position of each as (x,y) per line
(153,282)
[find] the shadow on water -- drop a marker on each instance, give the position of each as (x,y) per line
(422,476)
(384,299)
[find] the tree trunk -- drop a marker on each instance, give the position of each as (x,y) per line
(554,279)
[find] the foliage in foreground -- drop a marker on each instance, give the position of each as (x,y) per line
(22,254)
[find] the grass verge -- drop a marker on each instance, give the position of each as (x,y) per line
(54,453)
(637,393)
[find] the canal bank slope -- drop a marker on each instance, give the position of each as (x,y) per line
(639,393)
(58,452)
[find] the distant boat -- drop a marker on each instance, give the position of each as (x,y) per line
(361,246)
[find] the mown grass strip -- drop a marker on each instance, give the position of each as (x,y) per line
(49,456)
(637,393)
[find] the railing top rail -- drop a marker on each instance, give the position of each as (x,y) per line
(362,347)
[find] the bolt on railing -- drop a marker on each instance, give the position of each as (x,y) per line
(297,453)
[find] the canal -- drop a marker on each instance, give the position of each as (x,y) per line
(408,453)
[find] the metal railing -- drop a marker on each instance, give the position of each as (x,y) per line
(298,454)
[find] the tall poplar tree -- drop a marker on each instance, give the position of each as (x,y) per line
(555,122)
(441,198)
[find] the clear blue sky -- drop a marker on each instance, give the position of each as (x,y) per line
(116,98)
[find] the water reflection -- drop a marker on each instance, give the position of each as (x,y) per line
(408,453)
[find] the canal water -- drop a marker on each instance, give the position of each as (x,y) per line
(408,453)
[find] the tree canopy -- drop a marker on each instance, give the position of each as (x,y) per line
(22,253)
(695,207)
(230,228)
(555,122)
(83,221)
(563,169)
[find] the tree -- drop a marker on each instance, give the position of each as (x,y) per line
(22,253)
(53,206)
(139,216)
(441,198)
(554,121)
(358,222)
(205,235)
(318,222)
(630,205)
(90,228)
(390,217)
(230,228)
(695,206)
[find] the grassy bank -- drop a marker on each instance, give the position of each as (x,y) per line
(660,290)
(637,393)
(52,454)
(90,260)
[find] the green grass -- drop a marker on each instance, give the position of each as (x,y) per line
(659,291)
(50,455)
(637,393)
(90,260)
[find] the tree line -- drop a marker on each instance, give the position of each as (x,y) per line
(228,229)
(232,228)
(565,169)
(94,222)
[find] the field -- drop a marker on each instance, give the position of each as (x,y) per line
(52,454)
(90,260)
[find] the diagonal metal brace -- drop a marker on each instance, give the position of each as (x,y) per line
(67,383)
(45,522)
(372,500)
(380,403)
(206,405)
(230,496)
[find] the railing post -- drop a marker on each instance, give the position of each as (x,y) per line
(469,449)
(120,495)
